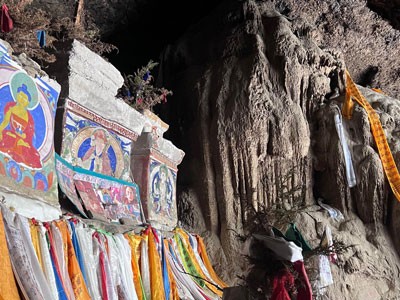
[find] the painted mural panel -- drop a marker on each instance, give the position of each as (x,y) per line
(27,111)
(107,196)
(89,145)
(65,176)
(162,192)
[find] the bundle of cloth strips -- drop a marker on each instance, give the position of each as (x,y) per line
(66,259)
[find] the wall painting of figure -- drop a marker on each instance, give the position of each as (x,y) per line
(89,145)
(27,111)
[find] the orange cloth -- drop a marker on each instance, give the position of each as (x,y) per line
(156,278)
(207,263)
(8,287)
(134,243)
(385,154)
(74,271)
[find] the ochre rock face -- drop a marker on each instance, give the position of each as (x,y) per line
(253,104)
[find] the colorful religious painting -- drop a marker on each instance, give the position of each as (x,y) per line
(96,144)
(27,110)
(162,189)
(154,165)
(108,196)
(65,176)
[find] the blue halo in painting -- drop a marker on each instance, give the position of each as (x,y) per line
(39,177)
(14,171)
(19,79)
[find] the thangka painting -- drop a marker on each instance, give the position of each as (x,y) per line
(162,192)
(87,144)
(107,196)
(27,111)
(65,176)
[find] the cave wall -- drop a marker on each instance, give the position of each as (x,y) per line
(253,106)
(242,98)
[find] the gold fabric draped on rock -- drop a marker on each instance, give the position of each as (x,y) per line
(385,154)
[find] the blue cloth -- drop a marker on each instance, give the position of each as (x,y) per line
(78,251)
(60,288)
(41,36)
(167,288)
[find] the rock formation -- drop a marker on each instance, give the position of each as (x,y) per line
(254,86)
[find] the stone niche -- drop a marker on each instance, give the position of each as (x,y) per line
(98,134)
(154,167)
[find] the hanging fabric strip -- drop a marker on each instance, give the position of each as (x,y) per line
(60,288)
(35,242)
(157,286)
(385,154)
(350,175)
(109,290)
(304,291)
(194,247)
(90,259)
(61,251)
(74,271)
(191,263)
(281,283)
(206,260)
(184,280)
(47,263)
(165,274)
(26,267)
(8,286)
(77,249)
(174,291)
(134,242)
(145,266)
(125,256)
(102,268)
(54,260)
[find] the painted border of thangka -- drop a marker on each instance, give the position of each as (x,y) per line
(96,144)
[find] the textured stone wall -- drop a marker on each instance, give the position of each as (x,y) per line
(254,93)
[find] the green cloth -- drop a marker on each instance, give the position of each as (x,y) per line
(293,234)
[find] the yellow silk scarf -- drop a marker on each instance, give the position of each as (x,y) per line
(134,242)
(35,241)
(385,154)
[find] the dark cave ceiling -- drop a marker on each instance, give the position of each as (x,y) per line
(151,27)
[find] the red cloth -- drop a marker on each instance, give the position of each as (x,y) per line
(6,22)
(280,284)
(102,269)
(304,292)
